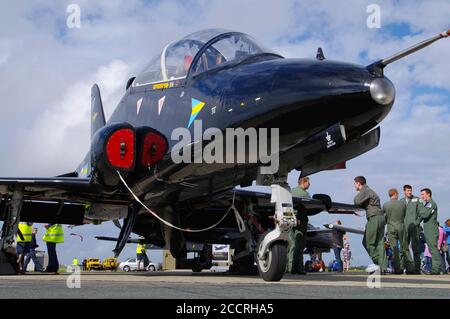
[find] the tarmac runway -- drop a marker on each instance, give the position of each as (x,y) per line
(205,285)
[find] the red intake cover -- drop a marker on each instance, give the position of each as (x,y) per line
(120,149)
(154,148)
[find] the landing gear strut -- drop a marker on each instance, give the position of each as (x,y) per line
(8,256)
(126,229)
(273,245)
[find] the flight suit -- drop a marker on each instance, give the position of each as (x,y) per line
(428,214)
(395,211)
(373,240)
(298,237)
(413,231)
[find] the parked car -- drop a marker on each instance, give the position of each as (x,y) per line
(131,264)
(93,264)
(217,268)
(110,263)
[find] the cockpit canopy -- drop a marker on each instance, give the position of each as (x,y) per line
(215,47)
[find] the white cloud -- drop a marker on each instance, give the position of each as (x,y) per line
(64,126)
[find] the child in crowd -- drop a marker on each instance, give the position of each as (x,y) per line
(346,256)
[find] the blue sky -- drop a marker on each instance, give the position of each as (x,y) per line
(47,71)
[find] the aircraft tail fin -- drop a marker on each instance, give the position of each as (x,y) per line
(97,114)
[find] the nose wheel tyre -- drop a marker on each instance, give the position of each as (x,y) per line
(273,266)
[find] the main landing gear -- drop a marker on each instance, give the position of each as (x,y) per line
(11,210)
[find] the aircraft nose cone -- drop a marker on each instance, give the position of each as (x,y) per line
(382,91)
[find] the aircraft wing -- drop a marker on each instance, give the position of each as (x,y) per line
(60,199)
(35,185)
(344,229)
(65,187)
(345,209)
(309,206)
(330,227)
(190,246)
(55,199)
(114,239)
(312,232)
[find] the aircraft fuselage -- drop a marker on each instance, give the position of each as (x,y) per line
(298,96)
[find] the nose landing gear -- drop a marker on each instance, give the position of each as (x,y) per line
(273,245)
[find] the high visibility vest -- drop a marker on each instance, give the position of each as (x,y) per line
(141,248)
(75,262)
(54,234)
(26,232)
(87,207)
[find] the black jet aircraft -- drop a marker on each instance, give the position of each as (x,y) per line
(326,113)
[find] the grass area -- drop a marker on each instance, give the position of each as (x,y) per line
(357,269)
(62,268)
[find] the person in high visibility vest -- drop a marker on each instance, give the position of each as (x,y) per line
(54,235)
(23,244)
(141,255)
(32,253)
(75,261)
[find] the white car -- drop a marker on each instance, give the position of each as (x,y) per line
(219,268)
(131,264)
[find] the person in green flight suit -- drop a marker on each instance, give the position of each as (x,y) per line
(412,231)
(295,263)
(428,212)
(395,211)
(373,240)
